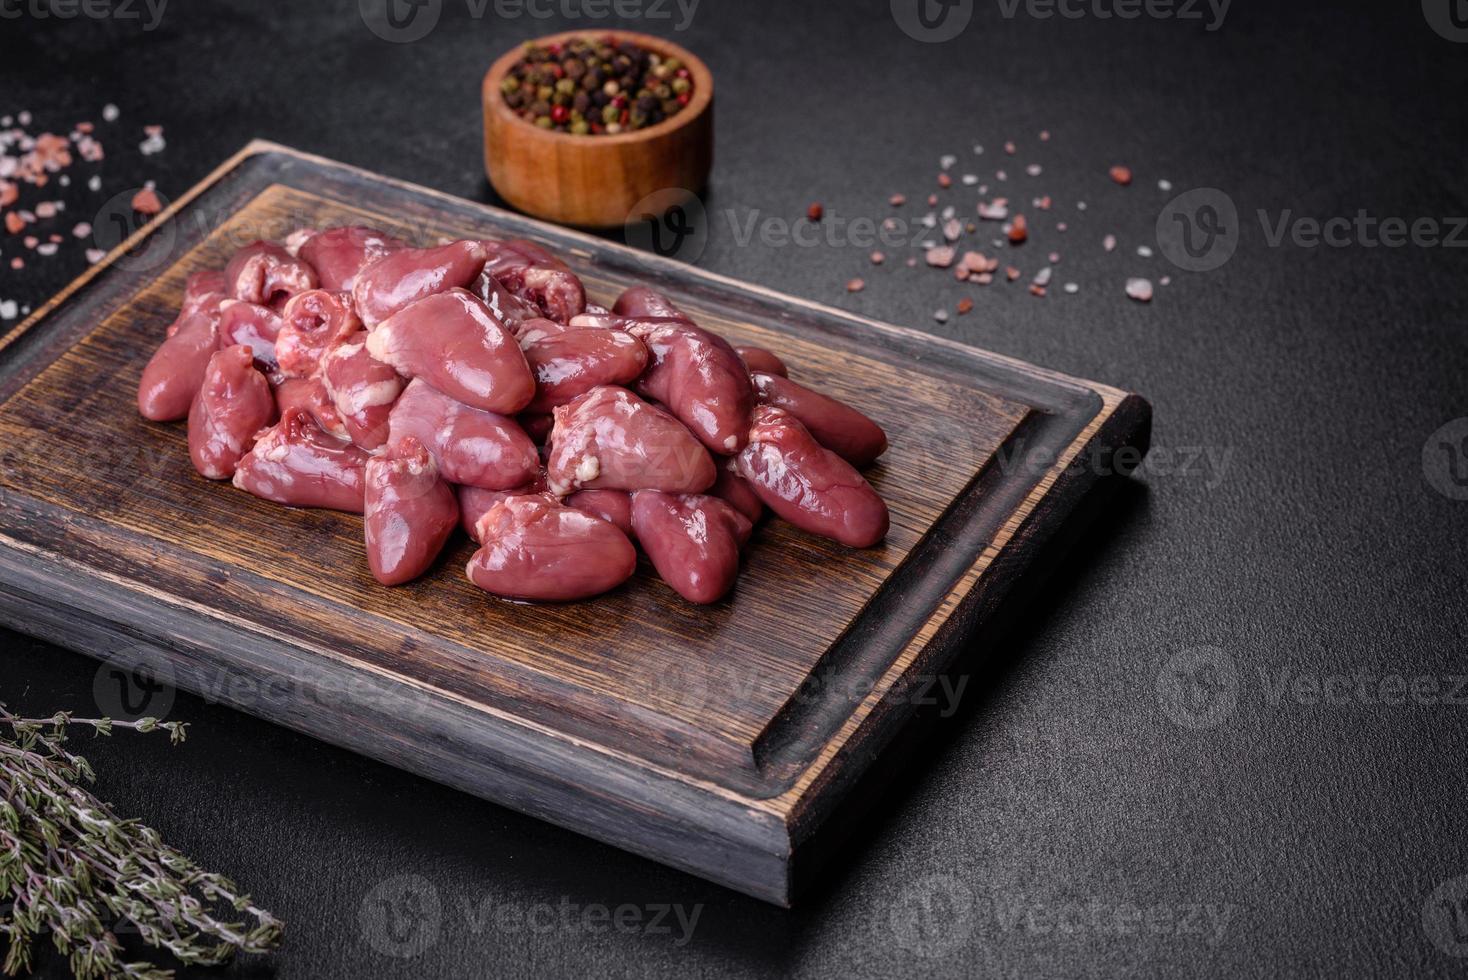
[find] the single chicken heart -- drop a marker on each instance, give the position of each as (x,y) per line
(570,362)
(297,464)
(452,341)
(409,512)
(835,425)
(265,274)
(175,372)
(338,254)
(401,278)
(693,541)
(472,447)
(807,484)
(609,439)
(536,548)
(362,388)
(310,323)
(234,403)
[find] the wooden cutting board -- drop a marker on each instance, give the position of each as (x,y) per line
(716,739)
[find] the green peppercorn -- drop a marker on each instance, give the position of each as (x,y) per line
(567,86)
(610,113)
(544,122)
(509,84)
(580,127)
(681,85)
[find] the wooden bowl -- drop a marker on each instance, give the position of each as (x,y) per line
(594,181)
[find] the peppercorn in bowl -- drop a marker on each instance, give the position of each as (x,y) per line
(579,127)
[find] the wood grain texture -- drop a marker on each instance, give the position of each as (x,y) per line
(595,181)
(713,738)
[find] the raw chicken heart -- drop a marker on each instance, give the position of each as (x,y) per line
(310,323)
(234,403)
(695,373)
(399,279)
(255,326)
(265,274)
(338,254)
(571,362)
(452,341)
(472,447)
(175,372)
(539,549)
(409,512)
(693,541)
(296,464)
(309,395)
(536,276)
(807,484)
(836,425)
(610,439)
(362,389)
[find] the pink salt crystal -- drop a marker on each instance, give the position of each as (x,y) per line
(1109,243)
(878,258)
(855,286)
(940,257)
(82,229)
(1139,290)
(897,200)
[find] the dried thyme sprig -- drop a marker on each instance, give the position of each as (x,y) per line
(69,866)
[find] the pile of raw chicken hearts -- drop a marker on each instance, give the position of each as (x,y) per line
(473,384)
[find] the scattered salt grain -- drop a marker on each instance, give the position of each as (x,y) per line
(952,229)
(110,113)
(855,286)
(1000,175)
(995,210)
(970,180)
(1033,170)
(1109,243)
(947,160)
(1072,288)
(978,150)
(47,248)
(1139,290)
(1165,281)
(1009,148)
(940,258)
(82,229)
(24,118)
(940,315)
(7,309)
(1044,136)
(878,258)
(965,305)
(1144,251)
(155,143)
(95,255)
(1164,185)
(95,183)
